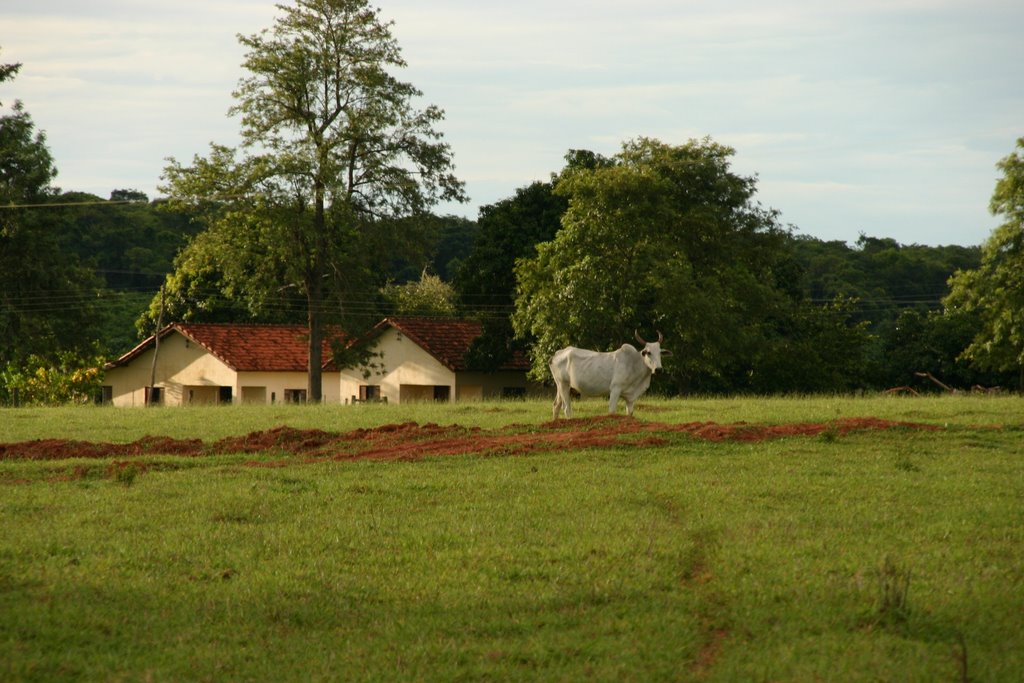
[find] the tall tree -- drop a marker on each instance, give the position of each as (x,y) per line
(430,295)
(46,296)
(995,290)
(666,238)
(509,230)
(332,145)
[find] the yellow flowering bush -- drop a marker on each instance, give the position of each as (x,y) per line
(70,378)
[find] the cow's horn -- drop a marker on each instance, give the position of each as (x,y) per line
(661,337)
(639,338)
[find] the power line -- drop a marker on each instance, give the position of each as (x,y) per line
(98,202)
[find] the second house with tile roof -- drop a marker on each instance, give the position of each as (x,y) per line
(424,359)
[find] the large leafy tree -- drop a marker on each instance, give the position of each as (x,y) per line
(485,280)
(668,238)
(333,146)
(995,290)
(46,296)
(509,230)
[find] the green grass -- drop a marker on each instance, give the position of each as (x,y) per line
(895,555)
(211,423)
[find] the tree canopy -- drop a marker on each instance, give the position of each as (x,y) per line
(333,151)
(664,238)
(47,297)
(995,290)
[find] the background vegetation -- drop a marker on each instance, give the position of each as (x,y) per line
(325,220)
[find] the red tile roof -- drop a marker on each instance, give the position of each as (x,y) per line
(446,339)
(283,348)
(244,348)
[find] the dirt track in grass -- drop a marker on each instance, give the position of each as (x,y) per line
(412,441)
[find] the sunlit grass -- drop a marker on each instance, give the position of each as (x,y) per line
(895,555)
(95,423)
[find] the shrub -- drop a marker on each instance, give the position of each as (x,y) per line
(70,378)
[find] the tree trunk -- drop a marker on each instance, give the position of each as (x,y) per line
(314,393)
(315,301)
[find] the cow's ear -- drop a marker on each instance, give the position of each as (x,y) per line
(666,353)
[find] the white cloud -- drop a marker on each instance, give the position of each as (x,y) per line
(885,116)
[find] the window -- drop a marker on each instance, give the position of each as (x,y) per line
(253,394)
(294,395)
(224,395)
(513,393)
(106,394)
(442,393)
(154,396)
(369,392)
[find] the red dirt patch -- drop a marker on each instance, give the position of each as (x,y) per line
(742,431)
(286,439)
(64,449)
(411,441)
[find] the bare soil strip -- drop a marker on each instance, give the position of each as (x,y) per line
(412,441)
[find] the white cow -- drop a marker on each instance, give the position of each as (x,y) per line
(625,372)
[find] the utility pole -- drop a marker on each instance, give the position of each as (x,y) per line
(156,346)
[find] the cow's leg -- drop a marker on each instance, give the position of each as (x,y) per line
(613,401)
(629,406)
(562,398)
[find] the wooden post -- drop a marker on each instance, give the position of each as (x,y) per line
(156,346)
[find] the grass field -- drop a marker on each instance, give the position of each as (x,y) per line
(892,554)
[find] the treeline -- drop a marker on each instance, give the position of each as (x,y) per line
(890,293)
(660,238)
(897,291)
(668,238)
(108,258)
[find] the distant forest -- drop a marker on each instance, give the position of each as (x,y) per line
(895,290)
(659,238)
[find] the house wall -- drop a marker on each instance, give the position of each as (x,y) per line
(189,375)
(275,384)
(410,373)
(491,385)
(180,364)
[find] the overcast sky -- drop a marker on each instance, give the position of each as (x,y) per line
(883,117)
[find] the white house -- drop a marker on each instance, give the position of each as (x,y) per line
(424,359)
(209,363)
